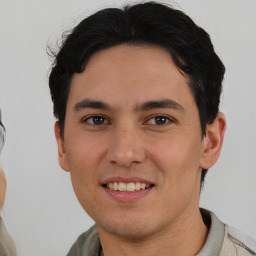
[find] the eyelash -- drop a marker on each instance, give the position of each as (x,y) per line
(164,118)
(85,120)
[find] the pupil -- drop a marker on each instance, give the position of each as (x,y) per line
(98,120)
(160,120)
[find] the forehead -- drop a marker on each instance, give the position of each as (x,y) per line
(129,73)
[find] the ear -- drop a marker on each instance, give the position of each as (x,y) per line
(62,156)
(212,141)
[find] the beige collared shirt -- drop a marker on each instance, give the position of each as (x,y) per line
(221,241)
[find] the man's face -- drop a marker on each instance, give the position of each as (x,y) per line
(132,122)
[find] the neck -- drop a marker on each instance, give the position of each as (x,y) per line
(186,237)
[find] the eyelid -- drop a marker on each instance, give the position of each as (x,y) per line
(85,119)
(107,120)
(170,119)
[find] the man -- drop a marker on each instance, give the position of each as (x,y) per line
(136,94)
(7,247)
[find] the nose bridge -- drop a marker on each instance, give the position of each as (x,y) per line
(126,146)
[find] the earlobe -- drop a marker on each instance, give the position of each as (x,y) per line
(212,142)
(61,149)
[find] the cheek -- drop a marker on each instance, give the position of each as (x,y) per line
(177,157)
(83,164)
(84,151)
(178,163)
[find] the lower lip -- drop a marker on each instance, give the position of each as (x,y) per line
(128,196)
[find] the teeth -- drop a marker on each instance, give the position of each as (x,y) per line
(127,187)
(130,186)
(137,186)
(111,186)
(115,186)
(122,186)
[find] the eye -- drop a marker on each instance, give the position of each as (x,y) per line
(95,120)
(159,120)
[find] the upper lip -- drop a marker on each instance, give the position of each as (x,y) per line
(125,180)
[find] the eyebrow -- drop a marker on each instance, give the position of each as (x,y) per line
(148,105)
(93,104)
(165,103)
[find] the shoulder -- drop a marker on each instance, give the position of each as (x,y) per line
(223,240)
(88,243)
(237,243)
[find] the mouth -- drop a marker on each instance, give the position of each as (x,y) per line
(127,187)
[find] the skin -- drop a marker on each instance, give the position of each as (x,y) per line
(2,188)
(129,143)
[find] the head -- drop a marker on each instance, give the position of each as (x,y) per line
(150,23)
(136,93)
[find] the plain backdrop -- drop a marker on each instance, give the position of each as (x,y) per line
(41,210)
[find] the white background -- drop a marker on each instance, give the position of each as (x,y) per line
(41,211)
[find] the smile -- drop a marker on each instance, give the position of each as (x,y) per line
(127,187)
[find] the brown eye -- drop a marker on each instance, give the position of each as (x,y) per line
(159,120)
(96,120)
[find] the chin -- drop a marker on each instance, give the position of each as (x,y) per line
(127,231)
(129,228)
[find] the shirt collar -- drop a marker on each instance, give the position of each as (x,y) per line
(215,236)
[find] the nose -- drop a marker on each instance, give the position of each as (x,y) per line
(126,146)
